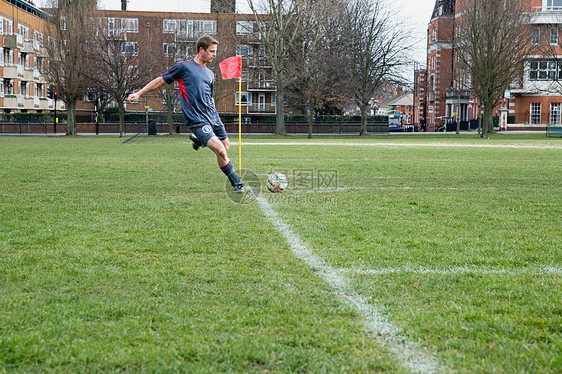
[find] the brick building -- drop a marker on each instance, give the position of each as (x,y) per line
(23,86)
(171,35)
(534,98)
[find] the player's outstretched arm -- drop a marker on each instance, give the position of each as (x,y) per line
(151,86)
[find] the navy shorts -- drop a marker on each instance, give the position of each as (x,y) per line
(204,132)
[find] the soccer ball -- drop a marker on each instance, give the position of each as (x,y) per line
(277,182)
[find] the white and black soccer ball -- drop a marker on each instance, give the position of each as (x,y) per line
(277,182)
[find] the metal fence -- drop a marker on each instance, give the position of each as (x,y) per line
(329,128)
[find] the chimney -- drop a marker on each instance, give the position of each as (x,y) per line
(124,4)
(223,6)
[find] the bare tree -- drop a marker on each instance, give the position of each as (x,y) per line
(318,75)
(491,41)
(69,34)
(378,48)
(280,27)
(119,66)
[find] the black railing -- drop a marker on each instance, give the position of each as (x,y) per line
(334,128)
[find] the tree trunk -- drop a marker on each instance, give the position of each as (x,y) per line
(311,119)
(71,119)
(363,130)
(279,101)
(488,122)
(121,119)
(169,111)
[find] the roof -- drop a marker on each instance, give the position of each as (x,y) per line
(405,100)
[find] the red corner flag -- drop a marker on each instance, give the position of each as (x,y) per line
(231,67)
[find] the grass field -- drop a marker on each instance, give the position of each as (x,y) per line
(133,258)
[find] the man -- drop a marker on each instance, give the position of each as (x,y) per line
(196,83)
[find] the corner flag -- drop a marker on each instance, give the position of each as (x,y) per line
(232,68)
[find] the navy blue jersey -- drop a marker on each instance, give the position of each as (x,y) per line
(196,92)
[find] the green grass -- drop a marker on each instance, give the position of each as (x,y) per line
(131,257)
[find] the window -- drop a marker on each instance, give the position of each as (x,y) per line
(24,32)
(130,24)
(38,37)
(553,4)
(170,49)
(555,113)
(246,98)
(542,70)
(244,50)
(189,52)
(536,36)
(554,35)
(8,57)
(208,27)
(169,26)
(130,48)
(244,27)
(189,28)
(535,113)
(8,86)
(110,26)
(8,27)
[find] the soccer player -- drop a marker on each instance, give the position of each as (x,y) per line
(196,83)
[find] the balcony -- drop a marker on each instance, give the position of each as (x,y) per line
(28,47)
(10,102)
(10,41)
(117,35)
(51,104)
(259,62)
(455,94)
(10,72)
(28,103)
(41,52)
(545,15)
(263,108)
(28,75)
(43,103)
(262,86)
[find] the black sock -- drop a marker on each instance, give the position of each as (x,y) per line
(228,170)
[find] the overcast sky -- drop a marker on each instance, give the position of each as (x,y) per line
(414,13)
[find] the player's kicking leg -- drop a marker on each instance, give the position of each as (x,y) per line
(219,147)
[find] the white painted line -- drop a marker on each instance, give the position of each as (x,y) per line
(410,354)
(453,270)
(456,145)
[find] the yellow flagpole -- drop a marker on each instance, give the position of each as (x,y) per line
(240,125)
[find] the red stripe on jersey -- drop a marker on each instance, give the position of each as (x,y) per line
(182,91)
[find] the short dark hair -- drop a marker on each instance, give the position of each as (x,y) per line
(205,42)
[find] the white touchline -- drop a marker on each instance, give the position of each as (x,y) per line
(453,270)
(410,354)
(380,144)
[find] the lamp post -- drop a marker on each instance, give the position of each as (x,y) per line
(56,120)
